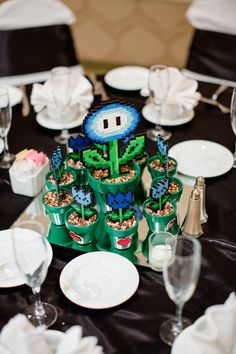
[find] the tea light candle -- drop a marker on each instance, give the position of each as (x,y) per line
(158,254)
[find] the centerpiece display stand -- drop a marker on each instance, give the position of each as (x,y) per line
(106,199)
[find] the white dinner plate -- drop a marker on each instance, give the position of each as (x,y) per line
(127,78)
(1,145)
(9,273)
(99,280)
(149,114)
(15,94)
(45,121)
(202,158)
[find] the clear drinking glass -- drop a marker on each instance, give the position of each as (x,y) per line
(5,124)
(30,250)
(180,279)
(233,120)
(61,89)
(158,84)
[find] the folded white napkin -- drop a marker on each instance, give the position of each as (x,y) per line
(19,336)
(213,333)
(81,94)
(182,93)
(34,13)
(22,338)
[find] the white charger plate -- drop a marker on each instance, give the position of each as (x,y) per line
(15,94)
(202,158)
(127,78)
(45,121)
(149,114)
(99,280)
(9,273)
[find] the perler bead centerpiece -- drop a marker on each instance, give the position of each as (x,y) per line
(106,126)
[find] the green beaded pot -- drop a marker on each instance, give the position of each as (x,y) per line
(122,239)
(51,186)
(156,173)
(101,188)
(58,233)
(159,223)
(81,173)
(81,235)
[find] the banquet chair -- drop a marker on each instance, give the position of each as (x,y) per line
(213,48)
(35,36)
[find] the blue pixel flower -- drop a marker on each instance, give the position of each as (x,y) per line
(78,143)
(159,189)
(111,121)
(81,196)
(119,200)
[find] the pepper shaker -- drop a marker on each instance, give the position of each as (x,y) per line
(192,225)
(201,186)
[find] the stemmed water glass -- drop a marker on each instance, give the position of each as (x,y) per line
(30,250)
(158,85)
(233,120)
(61,90)
(5,124)
(180,279)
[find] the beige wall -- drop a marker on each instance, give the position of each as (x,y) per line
(142,32)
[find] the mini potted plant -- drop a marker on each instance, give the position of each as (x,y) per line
(55,203)
(58,175)
(160,211)
(121,224)
(158,163)
(82,219)
(74,158)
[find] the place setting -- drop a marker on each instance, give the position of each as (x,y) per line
(171,102)
(62,102)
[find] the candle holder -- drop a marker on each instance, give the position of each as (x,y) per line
(161,247)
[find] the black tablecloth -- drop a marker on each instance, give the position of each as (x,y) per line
(133,326)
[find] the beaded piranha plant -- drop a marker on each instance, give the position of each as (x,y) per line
(83,202)
(57,166)
(120,204)
(108,124)
(76,145)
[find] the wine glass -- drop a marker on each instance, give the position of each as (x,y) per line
(180,279)
(5,124)
(233,120)
(30,249)
(61,90)
(158,85)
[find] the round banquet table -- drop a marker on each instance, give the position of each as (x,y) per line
(133,326)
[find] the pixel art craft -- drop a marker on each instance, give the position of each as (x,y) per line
(106,125)
(83,199)
(122,203)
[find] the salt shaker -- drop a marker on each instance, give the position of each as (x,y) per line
(192,225)
(201,186)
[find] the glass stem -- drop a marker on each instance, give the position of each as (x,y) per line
(39,310)
(178,318)
(234,165)
(6,148)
